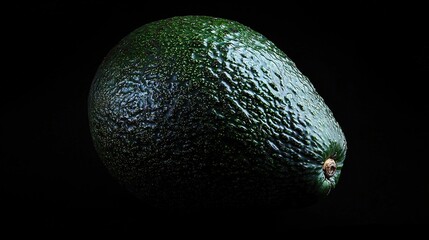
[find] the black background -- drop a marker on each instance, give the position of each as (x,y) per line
(368,61)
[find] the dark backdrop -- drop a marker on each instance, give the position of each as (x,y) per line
(368,61)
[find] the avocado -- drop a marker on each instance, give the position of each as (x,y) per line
(197,111)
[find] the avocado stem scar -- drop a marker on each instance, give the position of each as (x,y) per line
(329,167)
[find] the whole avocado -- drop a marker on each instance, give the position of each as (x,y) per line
(197,111)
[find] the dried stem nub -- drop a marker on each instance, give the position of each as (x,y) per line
(329,167)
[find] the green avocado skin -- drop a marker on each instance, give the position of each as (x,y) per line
(198,111)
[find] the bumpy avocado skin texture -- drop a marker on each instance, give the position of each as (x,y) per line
(198,111)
